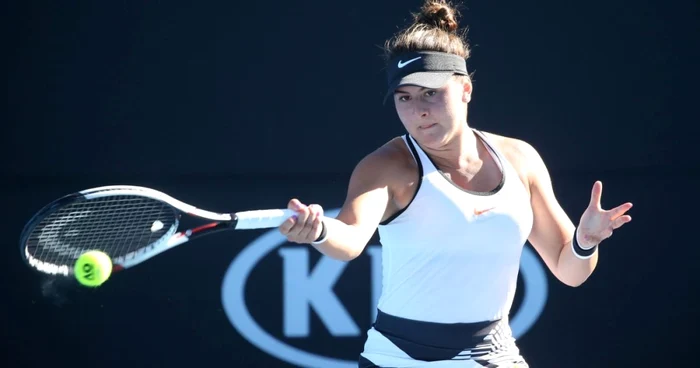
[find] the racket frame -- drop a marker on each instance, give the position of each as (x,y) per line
(172,238)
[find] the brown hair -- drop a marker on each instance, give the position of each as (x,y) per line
(434,28)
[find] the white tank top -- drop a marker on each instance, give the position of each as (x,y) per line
(453,255)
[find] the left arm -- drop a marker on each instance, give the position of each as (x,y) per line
(553,232)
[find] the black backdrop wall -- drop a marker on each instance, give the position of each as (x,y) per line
(247,104)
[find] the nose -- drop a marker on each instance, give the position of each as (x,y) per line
(422,111)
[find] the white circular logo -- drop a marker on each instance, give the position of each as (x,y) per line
(234,304)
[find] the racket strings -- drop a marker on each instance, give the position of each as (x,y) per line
(125,246)
(116,225)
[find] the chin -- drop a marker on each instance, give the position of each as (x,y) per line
(433,137)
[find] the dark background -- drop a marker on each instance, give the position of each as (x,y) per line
(229,105)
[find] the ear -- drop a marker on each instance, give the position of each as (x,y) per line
(467,89)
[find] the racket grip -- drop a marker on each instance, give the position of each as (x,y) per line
(261,219)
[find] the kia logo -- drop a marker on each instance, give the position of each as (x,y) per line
(303,288)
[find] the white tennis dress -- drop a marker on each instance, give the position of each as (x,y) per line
(450,265)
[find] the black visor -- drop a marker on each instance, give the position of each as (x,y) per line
(427,69)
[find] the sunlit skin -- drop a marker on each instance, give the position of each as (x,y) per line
(434,117)
(437,119)
(385,180)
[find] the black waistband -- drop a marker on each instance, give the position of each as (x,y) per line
(441,335)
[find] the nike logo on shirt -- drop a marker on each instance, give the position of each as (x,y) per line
(481,212)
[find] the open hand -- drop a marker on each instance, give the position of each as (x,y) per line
(598,224)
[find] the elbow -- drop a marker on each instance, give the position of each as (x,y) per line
(345,254)
(355,249)
(572,281)
(573,284)
(349,255)
(344,257)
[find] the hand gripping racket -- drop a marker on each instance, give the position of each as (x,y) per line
(129,223)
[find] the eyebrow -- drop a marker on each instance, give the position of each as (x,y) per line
(420,90)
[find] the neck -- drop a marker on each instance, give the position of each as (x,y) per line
(460,151)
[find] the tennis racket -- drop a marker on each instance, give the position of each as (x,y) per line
(131,224)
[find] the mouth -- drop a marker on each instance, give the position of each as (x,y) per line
(427,126)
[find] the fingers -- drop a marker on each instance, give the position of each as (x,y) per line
(295,231)
(294,204)
(287,225)
(595,194)
(619,210)
(318,210)
(312,226)
(621,221)
(291,226)
(305,226)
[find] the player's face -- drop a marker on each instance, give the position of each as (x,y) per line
(434,116)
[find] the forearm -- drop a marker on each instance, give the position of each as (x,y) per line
(343,242)
(575,269)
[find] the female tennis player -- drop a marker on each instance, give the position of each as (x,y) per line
(453,207)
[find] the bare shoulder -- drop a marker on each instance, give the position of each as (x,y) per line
(388,164)
(521,154)
(517,148)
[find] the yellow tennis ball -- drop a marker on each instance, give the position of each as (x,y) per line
(93,268)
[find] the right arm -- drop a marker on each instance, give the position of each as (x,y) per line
(365,204)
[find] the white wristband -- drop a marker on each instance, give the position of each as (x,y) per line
(582,253)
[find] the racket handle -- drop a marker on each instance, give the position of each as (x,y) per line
(261,219)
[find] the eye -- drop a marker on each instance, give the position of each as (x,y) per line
(430,93)
(403,98)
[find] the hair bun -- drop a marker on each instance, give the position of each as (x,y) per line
(438,13)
